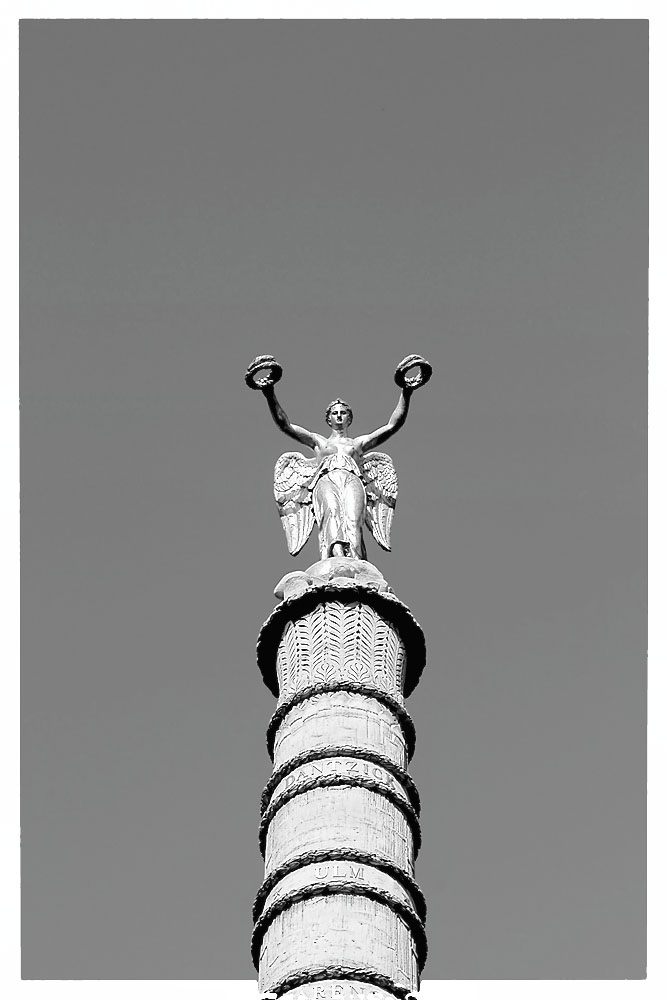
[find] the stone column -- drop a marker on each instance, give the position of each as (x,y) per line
(339,913)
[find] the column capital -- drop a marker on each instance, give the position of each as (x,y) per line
(342,581)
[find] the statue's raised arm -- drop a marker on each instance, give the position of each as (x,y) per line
(413,372)
(262,374)
(346,484)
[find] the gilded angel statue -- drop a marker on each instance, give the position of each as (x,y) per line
(346,483)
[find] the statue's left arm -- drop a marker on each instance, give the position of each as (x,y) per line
(369,441)
(413,372)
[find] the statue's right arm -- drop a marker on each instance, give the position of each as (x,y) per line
(299,434)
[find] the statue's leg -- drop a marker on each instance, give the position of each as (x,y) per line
(354,506)
(330,516)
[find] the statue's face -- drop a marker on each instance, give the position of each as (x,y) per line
(339,417)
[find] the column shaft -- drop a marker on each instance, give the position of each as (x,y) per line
(339,913)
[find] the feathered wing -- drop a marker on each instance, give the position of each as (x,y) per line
(291,474)
(381,492)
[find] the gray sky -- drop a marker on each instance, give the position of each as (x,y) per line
(340,194)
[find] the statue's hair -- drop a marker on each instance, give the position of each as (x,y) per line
(338,402)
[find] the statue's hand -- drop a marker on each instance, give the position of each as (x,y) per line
(413,372)
(263,373)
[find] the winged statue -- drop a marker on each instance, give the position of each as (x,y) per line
(294,479)
(346,484)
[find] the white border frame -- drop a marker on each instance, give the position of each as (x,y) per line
(654,985)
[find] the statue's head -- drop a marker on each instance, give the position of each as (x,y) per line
(339,414)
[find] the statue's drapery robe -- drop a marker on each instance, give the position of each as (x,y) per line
(339,503)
